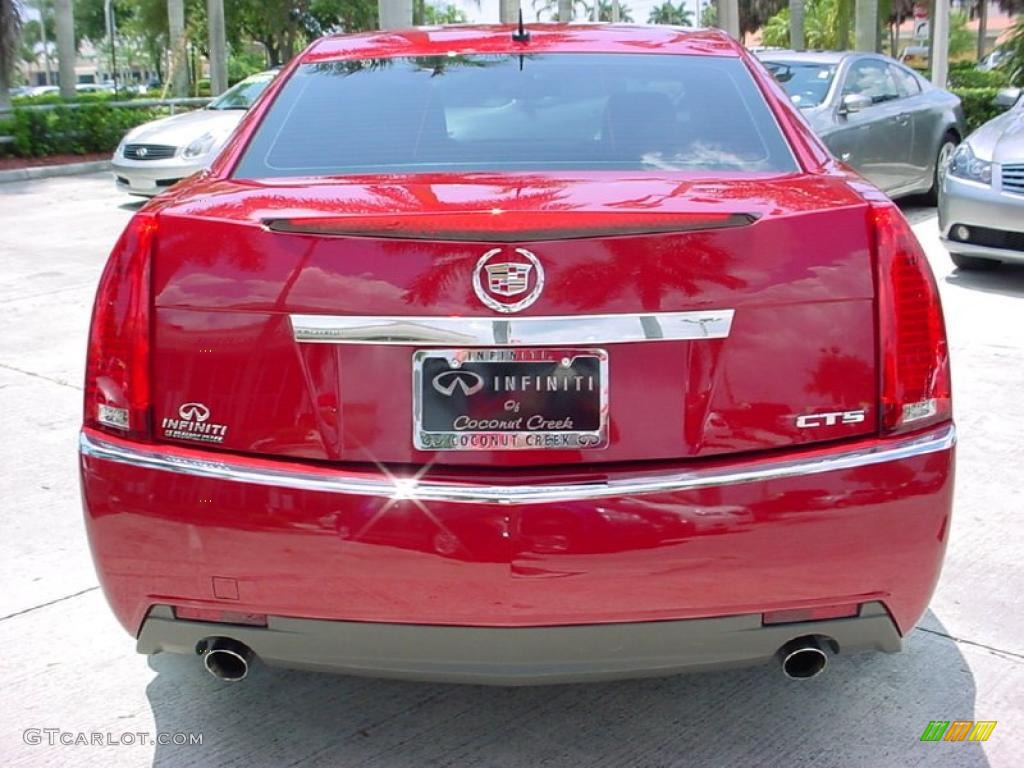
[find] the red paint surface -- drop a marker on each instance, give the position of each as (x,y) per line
(876,533)
(799,278)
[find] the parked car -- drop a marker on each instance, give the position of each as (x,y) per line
(883,119)
(159,154)
(916,56)
(95,88)
(994,59)
(981,206)
(511,356)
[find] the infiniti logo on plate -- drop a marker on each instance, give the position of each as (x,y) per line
(470,383)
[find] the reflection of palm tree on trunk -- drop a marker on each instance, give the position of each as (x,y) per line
(662,266)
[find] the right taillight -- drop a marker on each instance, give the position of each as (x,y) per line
(914,355)
(117,397)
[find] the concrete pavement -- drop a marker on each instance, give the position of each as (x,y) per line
(65,664)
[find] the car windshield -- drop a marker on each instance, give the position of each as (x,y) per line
(807,83)
(243,94)
(531,112)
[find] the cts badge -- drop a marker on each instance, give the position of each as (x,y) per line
(809,420)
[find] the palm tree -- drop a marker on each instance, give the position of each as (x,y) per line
(605,10)
(549,10)
(67,51)
(177,42)
(666,13)
(796,24)
(10,34)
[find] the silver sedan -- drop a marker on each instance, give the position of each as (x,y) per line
(981,205)
(883,119)
(155,155)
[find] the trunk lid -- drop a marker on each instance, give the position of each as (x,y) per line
(238,265)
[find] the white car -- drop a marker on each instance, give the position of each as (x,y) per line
(155,155)
(95,88)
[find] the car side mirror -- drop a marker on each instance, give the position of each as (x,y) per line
(854,102)
(1007,97)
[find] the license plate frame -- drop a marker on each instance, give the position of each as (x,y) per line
(582,371)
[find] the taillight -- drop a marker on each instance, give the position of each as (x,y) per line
(914,355)
(117,395)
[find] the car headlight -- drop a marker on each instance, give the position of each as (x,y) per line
(965,165)
(200,146)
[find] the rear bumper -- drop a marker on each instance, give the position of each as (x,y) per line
(862,522)
(520,656)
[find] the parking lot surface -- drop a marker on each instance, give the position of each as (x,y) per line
(66,664)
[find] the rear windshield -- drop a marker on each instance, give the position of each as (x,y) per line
(807,83)
(517,113)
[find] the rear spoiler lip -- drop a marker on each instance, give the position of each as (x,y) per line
(408,228)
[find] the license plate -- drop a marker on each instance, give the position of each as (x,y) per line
(510,399)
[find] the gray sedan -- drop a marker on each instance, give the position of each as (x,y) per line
(885,120)
(981,205)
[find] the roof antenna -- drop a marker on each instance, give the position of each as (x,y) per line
(521,35)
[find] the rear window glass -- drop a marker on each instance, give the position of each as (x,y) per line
(806,83)
(508,113)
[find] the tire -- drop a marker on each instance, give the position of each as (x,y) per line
(949,143)
(974,263)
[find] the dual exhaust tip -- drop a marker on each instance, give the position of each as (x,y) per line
(804,657)
(226,659)
(229,660)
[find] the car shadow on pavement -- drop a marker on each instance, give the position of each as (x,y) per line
(1006,280)
(917,208)
(864,710)
(133,205)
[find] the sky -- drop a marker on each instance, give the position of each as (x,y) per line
(487,12)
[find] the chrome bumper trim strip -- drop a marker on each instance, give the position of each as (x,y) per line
(571,330)
(384,485)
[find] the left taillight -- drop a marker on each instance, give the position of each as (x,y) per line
(914,354)
(117,386)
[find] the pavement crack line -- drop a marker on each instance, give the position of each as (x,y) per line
(51,602)
(41,376)
(971,642)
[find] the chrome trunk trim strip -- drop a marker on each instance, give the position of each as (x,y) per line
(570,330)
(284,474)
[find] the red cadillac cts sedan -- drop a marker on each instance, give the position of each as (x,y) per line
(518,356)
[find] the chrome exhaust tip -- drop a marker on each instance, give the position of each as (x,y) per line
(226,659)
(803,658)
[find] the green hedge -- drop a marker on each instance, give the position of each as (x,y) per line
(969,77)
(92,128)
(104,97)
(978,106)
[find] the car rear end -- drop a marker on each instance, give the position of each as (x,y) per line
(537,375)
